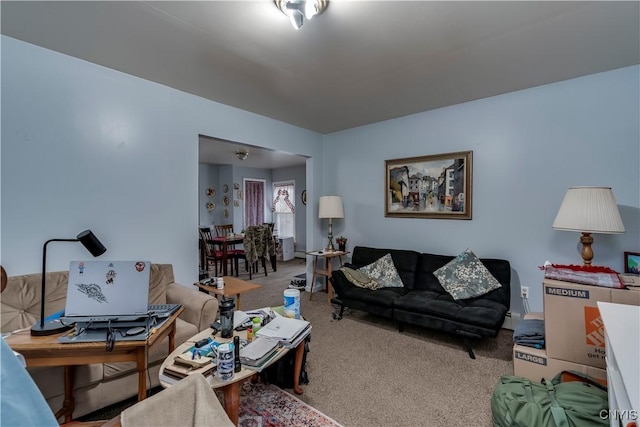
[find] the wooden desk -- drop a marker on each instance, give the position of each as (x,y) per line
(232,286)
(48,351)
(225,242)
(326,272)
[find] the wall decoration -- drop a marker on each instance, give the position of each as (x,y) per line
(211,206)
(240,195)
(225,201)
(236,203)
(225,213)
(225,188)
(236,186)
(632,262)
(304,197)
(438,186)
(211,192)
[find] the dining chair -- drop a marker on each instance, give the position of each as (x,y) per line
(233,252)
(255,248)
(210,251)
(223,230)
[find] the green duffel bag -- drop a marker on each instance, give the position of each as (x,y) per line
(520,402)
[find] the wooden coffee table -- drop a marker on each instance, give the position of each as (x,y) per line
(231,388)
(48,351)
(232,286)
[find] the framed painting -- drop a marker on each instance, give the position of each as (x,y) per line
(632,262)
(438,186)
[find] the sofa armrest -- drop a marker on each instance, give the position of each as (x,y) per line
(200,309)
(340,283)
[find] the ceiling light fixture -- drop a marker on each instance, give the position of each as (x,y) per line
(242,154)
(300,10)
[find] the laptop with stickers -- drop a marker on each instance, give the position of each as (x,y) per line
(103,291)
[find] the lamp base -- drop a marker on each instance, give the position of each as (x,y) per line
(587,252)
(49,328)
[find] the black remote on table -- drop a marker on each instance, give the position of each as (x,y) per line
(236,354)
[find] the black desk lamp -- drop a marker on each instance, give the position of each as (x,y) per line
(93,245)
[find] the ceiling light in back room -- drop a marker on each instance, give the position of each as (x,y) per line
(242,154)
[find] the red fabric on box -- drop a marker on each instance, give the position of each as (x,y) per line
(584,274)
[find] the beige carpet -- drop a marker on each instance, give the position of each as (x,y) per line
(363,372)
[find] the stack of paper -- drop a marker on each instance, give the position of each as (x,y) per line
(240,318)
(289,332)
(257,352)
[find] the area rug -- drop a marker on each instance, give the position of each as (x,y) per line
(269,406)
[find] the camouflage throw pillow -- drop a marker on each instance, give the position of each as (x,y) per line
(466,277)
(384,272)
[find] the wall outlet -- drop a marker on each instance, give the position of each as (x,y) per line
(524,292)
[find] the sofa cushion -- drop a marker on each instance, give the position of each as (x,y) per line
(466,277)
(158,283)
(384,272)
(383,297)
(20,304)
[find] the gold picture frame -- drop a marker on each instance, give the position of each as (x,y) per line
(437,186)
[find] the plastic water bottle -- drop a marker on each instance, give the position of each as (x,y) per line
(292,303)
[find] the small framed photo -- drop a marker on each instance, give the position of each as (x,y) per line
(240,194)
(236,186)
(632,262)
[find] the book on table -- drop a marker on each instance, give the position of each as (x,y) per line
(258,352)
(178,371)
(286,330)
(185,364)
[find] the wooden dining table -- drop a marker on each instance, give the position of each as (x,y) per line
(225,242)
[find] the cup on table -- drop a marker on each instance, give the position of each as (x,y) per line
(220,283)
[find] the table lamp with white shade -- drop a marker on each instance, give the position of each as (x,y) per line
(331,207)
(589,210)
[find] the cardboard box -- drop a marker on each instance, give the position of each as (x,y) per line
(574,331)
(534,364)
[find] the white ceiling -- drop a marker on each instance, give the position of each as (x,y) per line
(360,62)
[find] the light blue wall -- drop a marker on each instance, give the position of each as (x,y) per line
(528,148)
(84,146)
(208,177)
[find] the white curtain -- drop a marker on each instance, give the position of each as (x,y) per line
(284,208)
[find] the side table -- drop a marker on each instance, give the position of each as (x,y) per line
(232,286)
(326,271)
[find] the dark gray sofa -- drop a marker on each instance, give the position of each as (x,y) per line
(423,301)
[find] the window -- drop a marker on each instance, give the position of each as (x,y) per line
(283,208)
